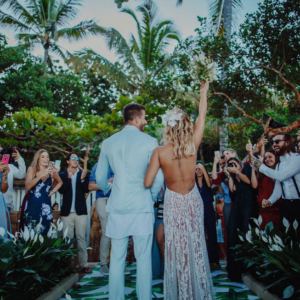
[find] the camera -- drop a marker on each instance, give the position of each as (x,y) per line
(231,165)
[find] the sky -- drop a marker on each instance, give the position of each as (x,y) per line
(106,13)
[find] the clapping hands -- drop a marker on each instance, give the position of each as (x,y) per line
(266,203)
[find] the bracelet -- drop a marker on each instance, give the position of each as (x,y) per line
(237,173)
(203,90)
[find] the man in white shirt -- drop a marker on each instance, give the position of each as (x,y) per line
(15,172)
(287,176)
(130,206)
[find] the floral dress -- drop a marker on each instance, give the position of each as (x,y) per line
(38,207)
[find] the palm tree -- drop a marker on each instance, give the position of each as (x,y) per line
(142,57)
(40,22)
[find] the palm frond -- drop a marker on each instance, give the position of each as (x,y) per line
(133,15)
(169,32)
(133,44)
(81,30)
(88,58)
(66,12)
(20,11)
(115,41)
(58,51)
(27,37)
(7,20)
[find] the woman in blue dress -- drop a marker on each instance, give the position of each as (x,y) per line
(39,179)
(4,213)
(204,187)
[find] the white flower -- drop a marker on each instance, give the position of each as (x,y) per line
(12,236)
(50,217)
(25,251)
(32,234)
(264,239)
(41,239)
(2,231)
(68,297)
(49,232)
(256,221)
(37,194)
(249,226)
(26,234)
(66,233)
(271,248)
(171,118)
(46,209)
(60,225)
(270,241)
(285,222)
(249,237)
(257,231)
(35,238)
(241,238)
(260,220)
(295,224)
(276,248)
(278,240)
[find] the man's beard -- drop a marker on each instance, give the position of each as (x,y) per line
(141,128)
(281,151)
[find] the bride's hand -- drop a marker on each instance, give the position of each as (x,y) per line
(205,85)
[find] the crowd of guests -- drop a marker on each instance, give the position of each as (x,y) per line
(266,183)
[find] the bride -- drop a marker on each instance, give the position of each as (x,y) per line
(187,273)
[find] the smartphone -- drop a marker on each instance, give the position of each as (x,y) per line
(266,135)
(217,153)
(5,159)
(57,164)
(15,149)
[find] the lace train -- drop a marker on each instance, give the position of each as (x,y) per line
(187,273)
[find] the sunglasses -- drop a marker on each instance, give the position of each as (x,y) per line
(75,158)
(276,141)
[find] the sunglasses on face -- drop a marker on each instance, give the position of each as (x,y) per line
(276,142)
(75,158)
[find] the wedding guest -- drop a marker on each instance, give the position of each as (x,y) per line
(265,186)
(55,206)
(38,183)
(101,202)
(287,178)
(204,187)
(244,208)
(4,213)
(74,210)
(298,146)
(223,188)
(15,172)
(221,233)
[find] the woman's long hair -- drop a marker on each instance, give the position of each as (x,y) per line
(261,176)
(196,177)
(34,164)
(181,136)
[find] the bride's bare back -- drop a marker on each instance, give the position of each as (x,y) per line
(179,174)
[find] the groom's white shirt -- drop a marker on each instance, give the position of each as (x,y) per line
(128,153)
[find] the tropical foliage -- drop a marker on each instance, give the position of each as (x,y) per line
(42,22)
(31,264)
(272,257)
(141,58)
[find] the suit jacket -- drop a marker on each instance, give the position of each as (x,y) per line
(128,153)
(66,191)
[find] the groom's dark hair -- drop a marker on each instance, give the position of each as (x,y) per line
(131,111)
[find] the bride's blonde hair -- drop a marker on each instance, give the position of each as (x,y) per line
(181,135)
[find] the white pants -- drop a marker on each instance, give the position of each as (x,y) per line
(142,252)
(105,240)
(79,223)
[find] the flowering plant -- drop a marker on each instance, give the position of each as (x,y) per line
(272,257)
(32,263)
(202,67)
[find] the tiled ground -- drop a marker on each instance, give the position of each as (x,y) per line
(95,286)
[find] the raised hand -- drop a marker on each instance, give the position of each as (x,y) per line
(83,174)
(204,85)
(266,203)
(257,162)
(16,155)
(249,147)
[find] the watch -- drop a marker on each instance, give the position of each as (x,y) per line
(237,173)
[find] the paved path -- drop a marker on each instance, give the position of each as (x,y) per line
(95,286)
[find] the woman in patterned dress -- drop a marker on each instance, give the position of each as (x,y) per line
(38,182)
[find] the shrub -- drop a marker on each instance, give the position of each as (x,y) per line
(32,264)
(272,257)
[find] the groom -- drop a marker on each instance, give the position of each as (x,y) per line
(130,206)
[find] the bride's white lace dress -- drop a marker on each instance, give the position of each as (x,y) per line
(187,273)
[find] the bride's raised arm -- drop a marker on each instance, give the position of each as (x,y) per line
(200,122)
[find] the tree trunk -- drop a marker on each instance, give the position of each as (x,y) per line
(227,26)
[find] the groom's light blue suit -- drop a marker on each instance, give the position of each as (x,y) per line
(128,152)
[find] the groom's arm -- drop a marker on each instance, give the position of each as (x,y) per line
(159,179)
(102,170)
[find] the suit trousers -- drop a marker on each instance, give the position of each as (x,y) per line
(142,251)
(79,223)
(105,240)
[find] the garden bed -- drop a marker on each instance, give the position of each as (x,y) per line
(258,288)
(57,291)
